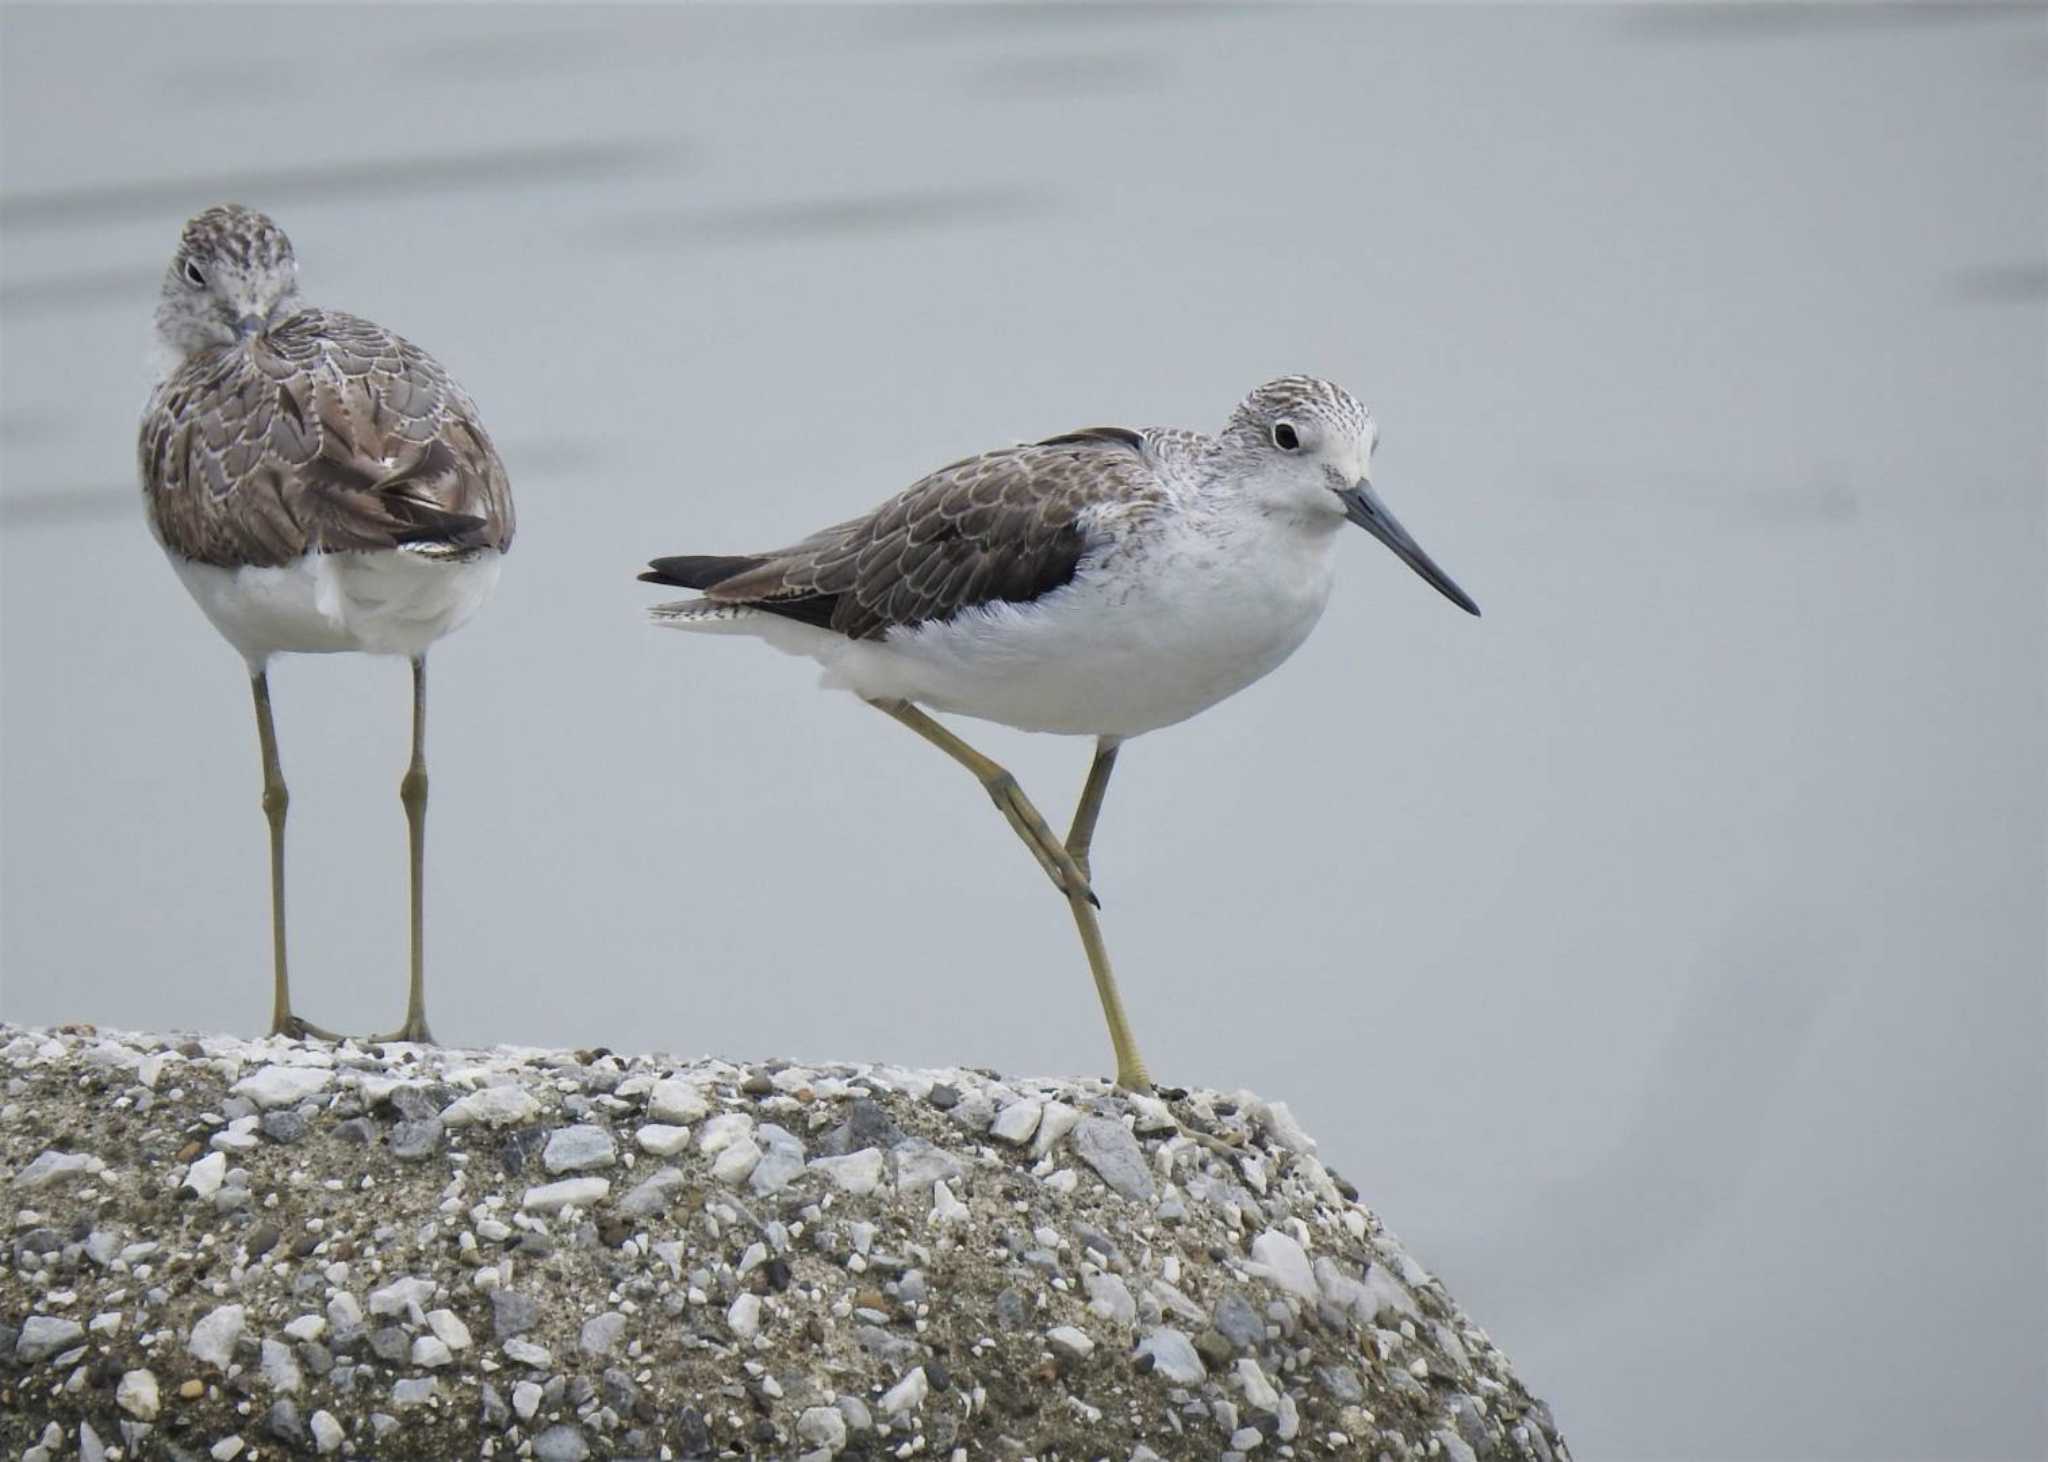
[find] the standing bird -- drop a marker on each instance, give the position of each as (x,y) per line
(319,484)
(1104,583)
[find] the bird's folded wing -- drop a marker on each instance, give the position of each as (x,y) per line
(1005,527)
(329,435)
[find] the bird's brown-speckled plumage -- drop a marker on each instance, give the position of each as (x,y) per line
(1006,526)
(325,433)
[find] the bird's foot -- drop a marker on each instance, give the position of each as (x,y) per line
(1051,853)
(414,1030)
(1232,1146)
(292,1028)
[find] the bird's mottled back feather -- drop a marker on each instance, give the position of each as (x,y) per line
(1007,526)
(326,433)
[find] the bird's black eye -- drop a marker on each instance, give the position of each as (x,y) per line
(194,275)
(1284,436)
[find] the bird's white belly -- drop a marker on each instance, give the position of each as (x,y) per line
(1108,655)
(383,602)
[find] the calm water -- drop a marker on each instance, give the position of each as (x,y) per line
(1662,954)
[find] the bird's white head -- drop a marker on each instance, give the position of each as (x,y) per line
(1303,447)
(233,277)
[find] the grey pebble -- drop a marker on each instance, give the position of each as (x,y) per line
(1455,1448)
(943,1096)
(417,1103)
(1108,1147)
(413,1391)
(519,1147)
(1173,1356)
(512,1313)
(1214,1349)
(867,1124)
(693,1433)
(579,1149)
(1471,1423)
(1342,1383)
(919,1164)
(652,1195)
(286,1125)
(1237,1321)
(601,1333)
(898,1352)
(357,1130)
(43,1336)
(782,1158)
(414,1141)
(619,1391)
(283,1422)
(976,1112)
(388,1343)
(1013,1311)
(492,1410)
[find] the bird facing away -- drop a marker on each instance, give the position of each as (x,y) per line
(1106,583)
(319,484)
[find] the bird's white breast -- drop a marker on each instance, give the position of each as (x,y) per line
(383,602)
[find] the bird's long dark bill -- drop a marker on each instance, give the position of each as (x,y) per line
(1363,507)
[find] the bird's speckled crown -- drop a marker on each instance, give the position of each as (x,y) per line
(237,235)
(1294,397)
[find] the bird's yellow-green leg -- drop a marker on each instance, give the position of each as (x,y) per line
(1003,790)
(412,791)
(276,799)
(1059,865)
(1130,1067)
(1081,836)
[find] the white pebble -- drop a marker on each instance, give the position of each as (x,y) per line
(907,1395)
(1016,1122)
(449,1329)
(857,1173)
(676,1101)
(327,1433)
(1075,1343)
(552,1197)
(735,1162)
(213,1338)
(204,1177)
(137,1395)
(662,1140)
(945,1207)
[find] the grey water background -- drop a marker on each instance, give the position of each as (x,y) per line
(1663,954)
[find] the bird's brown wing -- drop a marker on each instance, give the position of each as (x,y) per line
(1004,527)
(328,433)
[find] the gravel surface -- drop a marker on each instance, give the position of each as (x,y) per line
(228,1249)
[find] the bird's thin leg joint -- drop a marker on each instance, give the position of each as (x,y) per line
(1003,790)
(277,800)
(412,792)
